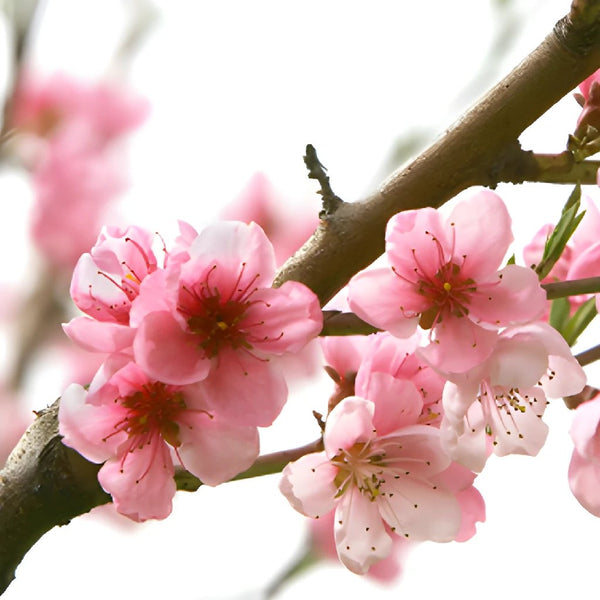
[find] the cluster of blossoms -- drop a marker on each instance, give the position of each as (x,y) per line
(69,135)
(416,414)
(193,349)
(191,358)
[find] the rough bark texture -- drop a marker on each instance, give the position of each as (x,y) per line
(45,484)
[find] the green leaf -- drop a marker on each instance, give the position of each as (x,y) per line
(559,313)
(579,321)
(557,240)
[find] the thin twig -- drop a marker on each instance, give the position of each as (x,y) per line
(576,287)
(316,170)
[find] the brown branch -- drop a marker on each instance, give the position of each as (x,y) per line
(521,166)
(588,356)
(44,484)
(474,151)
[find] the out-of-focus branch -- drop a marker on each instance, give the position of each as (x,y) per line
(45,484)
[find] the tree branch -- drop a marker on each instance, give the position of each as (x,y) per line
(563,289)
(474,151)
(521,165)
(46,484)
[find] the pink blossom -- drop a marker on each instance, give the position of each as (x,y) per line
(578,260)
(138,427)
(444,276)
(377,468)
(43,106)
(73,189)
(104,284)
(351,360)
(72,129)
(216,318)
(498,406)
(584,470)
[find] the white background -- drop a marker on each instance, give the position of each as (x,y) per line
(240,86)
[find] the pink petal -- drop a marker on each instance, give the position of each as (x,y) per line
(231,244)
(89,429)
(419,510)
(482,228)
(518,362)
(517,432)
(142,486)
(344,353)
(459,345)
(308,484)
(564,375)
(99,336)
(584,480)
(415,451)
(167,353)
(383,300)
(245,390)
(584,429)
(465,444)
(418,238)
(513,296)
(351,421)
(472,508)
(360,535)
(397,401)
(283,319)
(214,450)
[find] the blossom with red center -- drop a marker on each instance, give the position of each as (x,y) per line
(216,318)
(379,467)
(444,276)
(498,406)
(104,284)
(139,427)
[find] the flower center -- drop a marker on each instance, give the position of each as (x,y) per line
(153,409)
(447,291)
(218,321)
(361,467)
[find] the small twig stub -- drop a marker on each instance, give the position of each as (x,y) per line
(318,171)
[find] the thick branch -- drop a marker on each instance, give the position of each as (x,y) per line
(474,151)
(45,484)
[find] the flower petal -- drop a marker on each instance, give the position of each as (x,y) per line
(214,450)
(167,353)
(351,421)
(482,228)
(381,299)
(142,486)
(360,535)
(308,484)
